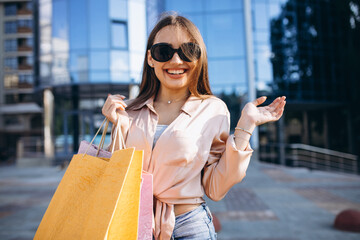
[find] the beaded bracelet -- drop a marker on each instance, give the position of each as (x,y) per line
(239,128)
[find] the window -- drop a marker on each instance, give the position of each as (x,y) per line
(119,35)
(10,45)
(25,23)
(10,9)
(10,27)
(25,80)
(11,63)
(11,81)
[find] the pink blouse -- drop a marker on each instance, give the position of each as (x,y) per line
(193,156)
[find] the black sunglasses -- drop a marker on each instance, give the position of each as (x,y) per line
(163,52)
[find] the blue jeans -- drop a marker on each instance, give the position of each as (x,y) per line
(195,225)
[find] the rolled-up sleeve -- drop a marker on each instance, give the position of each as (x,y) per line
(226,165)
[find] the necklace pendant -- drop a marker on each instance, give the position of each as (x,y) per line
(169,102)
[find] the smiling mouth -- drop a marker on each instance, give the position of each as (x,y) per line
(176,72)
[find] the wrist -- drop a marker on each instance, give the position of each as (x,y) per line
(246,124)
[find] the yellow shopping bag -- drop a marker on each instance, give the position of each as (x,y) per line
(97,198)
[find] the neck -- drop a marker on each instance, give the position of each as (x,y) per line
(168,96)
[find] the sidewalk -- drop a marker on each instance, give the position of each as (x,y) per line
(272,203)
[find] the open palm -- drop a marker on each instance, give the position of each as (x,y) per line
(261,115)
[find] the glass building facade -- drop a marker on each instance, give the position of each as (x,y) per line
(304,50)
(88,49)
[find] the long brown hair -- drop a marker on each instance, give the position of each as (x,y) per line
(199,85)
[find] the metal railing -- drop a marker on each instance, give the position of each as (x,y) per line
(301,155)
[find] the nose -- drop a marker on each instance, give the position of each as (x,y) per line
(176,58)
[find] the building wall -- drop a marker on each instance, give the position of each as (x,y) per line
(20,113)
(88,49)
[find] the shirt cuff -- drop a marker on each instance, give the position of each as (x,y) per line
(231,143)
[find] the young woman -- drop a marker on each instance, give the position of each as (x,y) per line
(184,130)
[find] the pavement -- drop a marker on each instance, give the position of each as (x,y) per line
(272,203)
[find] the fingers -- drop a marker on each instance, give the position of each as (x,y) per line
(259,100)
(112,105)
(276,102)
(280,109)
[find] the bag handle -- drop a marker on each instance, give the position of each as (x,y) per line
(118,133)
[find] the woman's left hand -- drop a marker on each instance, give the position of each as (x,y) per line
(255,116)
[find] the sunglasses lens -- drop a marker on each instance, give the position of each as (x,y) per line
(162,52)
(190,52)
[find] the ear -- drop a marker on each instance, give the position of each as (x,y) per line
(150,60)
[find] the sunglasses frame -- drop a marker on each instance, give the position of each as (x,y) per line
(173,51)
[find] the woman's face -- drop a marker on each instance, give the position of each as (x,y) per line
(174,74)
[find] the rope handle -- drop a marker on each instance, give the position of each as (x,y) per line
(117,133)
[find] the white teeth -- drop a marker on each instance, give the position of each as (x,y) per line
(178,71)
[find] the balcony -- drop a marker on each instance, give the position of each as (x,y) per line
(24,11)
(24,30)
(25,67)
(24,48)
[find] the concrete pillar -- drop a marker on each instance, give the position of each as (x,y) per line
(49,148)
(250,65)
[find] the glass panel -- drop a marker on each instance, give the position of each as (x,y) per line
(198,20)
(225,35)
(99,76)
(10,45)
(229,72)
(78,28)
(11,63)
(59,68)
(261,17)
(119,35)
(78,61)
(11,27)
(10,9)
(99,60)
(216,5)
(60,26)
(79,66)
(119,68)
(118,9)
(99,22)
(184,6)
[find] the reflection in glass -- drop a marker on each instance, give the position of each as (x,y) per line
(229,72)
(119,35)
(119,68)
(216,5)
(118,9)
(185,6)
(225,34)
(78,27)
(99,60)
(99,76)
(99,22)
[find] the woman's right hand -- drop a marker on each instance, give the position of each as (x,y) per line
(114,107)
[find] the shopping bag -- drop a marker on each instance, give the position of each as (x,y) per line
(146,192)
(97,198)
(146,207)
